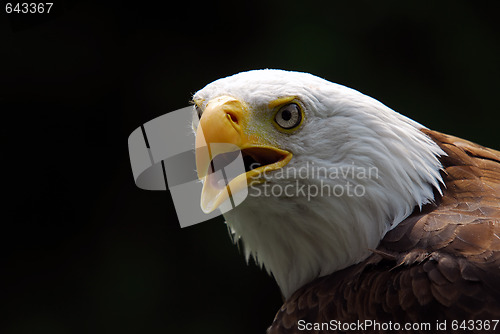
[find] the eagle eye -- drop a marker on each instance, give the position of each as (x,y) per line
(288,116)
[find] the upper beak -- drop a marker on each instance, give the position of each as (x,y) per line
(220,138)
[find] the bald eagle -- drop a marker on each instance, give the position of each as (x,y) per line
(361,214)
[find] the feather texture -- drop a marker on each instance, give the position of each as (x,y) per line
(441,263)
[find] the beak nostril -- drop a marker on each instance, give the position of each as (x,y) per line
(232,117)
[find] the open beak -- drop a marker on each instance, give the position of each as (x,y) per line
(220,138)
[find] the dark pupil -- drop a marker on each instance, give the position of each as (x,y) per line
(286,115)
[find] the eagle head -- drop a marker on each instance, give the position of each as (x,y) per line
(328,170)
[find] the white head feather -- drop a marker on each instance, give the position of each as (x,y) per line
(299,238)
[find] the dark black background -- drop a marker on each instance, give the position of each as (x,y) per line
(83,249)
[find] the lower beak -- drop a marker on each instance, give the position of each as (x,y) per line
(228,160)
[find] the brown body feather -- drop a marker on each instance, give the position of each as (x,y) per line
(440,264)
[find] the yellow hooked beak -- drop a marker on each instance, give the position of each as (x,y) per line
(222,132)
